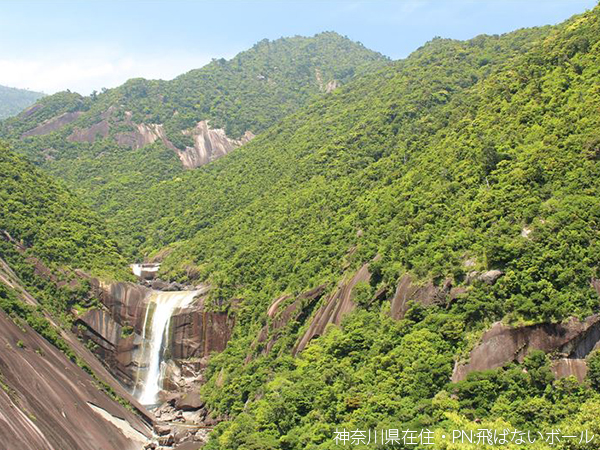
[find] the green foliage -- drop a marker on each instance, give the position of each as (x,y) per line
(429,162)
(593,374)
(47,222)
(484,150)
(13,101)
(250,92)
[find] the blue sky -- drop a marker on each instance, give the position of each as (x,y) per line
(88,44)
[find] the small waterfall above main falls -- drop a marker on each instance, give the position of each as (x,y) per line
(162,305)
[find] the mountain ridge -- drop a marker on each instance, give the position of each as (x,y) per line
(13,100)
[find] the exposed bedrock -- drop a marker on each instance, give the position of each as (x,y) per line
(47,400)
(280,313)
(196,333)
(335,308)
(126,302)
(117,330)
(53,124)
(209,144)
(502,344)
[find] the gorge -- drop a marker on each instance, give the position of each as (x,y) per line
(330,240)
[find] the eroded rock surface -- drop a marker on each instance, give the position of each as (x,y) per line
(502,344)
(197,333)
(117,331)
(426,294)
(53,124)
(46,400)
(209,144)
(281,315)
(337,306)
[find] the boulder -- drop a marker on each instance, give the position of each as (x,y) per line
(190,401)
(162,429)
(490,276)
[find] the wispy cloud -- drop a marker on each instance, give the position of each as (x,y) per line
(86,71)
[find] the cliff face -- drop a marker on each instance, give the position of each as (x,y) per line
(197,333)
(337,306)
(209,143)
(503,344)
(117,330)
(48,402)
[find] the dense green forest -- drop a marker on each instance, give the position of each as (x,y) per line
(466,156)
(47,234)
(250,92)
(13,101)
(484,151)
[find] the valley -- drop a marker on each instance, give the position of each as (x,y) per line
(305,238)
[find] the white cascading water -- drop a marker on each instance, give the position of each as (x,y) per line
(155,339)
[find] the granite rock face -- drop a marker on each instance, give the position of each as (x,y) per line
(117,331)
(502,344)
(570,367)
(53,124)
(425,294)
(209,144)
(47,400)
(196,333)
(126,302)
(44,384)
(280,315)
(336,307)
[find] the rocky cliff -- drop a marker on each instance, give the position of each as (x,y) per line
(209,143)
(117,330)
(49,402)
(570,342)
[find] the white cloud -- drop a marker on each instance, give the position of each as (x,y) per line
(86,71)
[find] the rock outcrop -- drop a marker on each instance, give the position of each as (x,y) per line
(126,302)
(425,294)
(280,316)
(117,331)
(53,124)
(209,144)
(336,307)
(46,400)
(196,333)
(502,344)
(570,367)
(92,133)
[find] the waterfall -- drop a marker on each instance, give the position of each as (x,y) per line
(156,335)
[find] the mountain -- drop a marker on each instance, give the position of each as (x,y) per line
(53,388)
(111,146)
(417,249)
(366,243)
(13,101)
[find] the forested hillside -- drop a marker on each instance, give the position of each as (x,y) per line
(415,249)
(13,101)
(467,157)
(47,234)
(112,146)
